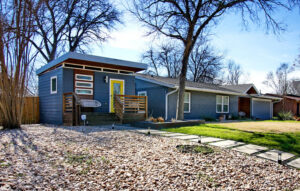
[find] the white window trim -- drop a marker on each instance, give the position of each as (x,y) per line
(189,111)
(53,92)
(222,104)
(142,92)
(83,82)
(76,77)
(83,93)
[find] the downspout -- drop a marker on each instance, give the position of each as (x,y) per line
(166,104)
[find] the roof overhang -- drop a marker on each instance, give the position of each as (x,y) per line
(266,97)
(211,91)
(155,82)
(91,60)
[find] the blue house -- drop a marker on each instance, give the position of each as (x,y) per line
(202,100)
(75,83)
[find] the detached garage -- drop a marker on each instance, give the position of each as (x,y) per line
(262,108)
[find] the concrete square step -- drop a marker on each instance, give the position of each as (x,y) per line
(174,134)
(226,143)
(207,139)
(295,163)
(186,137)
(273,155)
(250,149)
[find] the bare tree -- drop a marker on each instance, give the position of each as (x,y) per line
(16,58)
(65,25)
(166,57)
(187,20)
(234,73)
(280,82)
(204,64)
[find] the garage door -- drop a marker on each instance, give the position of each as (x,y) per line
(261,109)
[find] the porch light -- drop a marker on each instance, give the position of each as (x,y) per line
(199,140)
(279,157)
(106,79)
(148,133)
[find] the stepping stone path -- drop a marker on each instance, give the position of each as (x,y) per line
(238,146)
(250,149)
(273,155)
(295,163)
(226,143)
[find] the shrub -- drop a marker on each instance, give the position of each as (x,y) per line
(160,119)
(283,115)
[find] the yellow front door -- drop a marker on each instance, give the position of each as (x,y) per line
(116,88)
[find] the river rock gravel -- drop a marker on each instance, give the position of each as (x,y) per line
(41,157)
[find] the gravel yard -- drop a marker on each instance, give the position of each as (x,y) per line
(51,158)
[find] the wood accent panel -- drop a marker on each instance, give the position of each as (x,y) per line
(98,64)
(252,91)
(244,105)
(85,72)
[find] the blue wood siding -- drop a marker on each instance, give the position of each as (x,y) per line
(156,97)
(68,82)
(51,104)
(203,105)
(101,89)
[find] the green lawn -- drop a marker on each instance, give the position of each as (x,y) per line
(288,141)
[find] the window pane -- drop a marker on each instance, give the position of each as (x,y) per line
(53,84)
(84,77)
(219,108)
(117,88)
(186,97)
(186,107)
(142,93)
(226,100)
(84,92)
(225,108)
(84,84)
(219,99)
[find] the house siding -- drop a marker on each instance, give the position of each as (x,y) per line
(101,89)
(156,97)
(51,104)
(203,105)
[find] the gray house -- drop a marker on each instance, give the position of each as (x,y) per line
(202,100)
(65,82)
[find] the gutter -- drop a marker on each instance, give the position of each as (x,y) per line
(166,104)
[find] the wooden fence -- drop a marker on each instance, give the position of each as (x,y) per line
(31,112)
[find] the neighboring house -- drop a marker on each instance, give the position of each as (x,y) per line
(90,77)
(288,103)
(203,100)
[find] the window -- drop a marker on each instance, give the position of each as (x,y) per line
(84,77)
(222,104)
(142,93)
(81,91)
(187,102)
(80,84)
(53,85)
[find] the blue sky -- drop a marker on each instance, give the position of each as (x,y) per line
(255,50)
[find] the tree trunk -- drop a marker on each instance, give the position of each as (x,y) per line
(182,79)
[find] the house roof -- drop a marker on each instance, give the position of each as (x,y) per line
(241,88)
(73,56)
(174,83)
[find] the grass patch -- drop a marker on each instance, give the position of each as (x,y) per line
(289,142)
(79,159)
(194,149)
